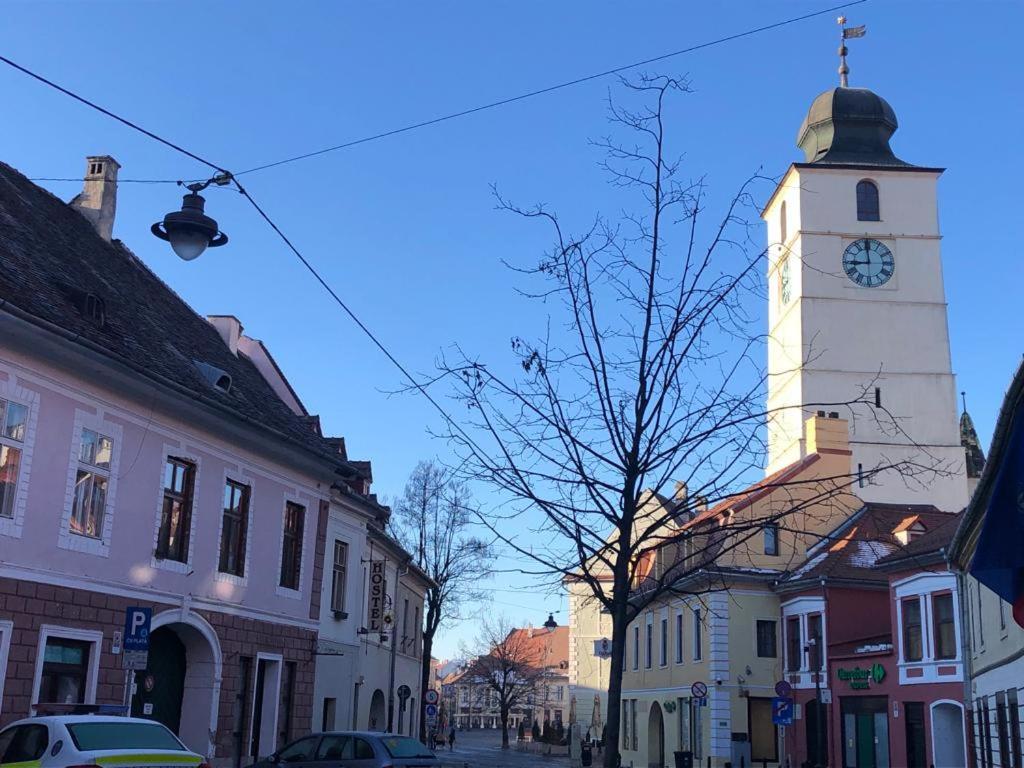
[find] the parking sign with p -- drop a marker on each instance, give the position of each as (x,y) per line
(136,637)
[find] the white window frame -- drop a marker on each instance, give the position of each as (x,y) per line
(697,639)
(924,586)
(98,423)
(649,642)
(293,498)
(191,457)
(344,587)
(663,636)
(802,608)
(6,631)
(12,392)
(278,659)
(680,630)
(243,477)
(93,637)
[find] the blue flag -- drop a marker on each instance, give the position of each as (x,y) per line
(998,560)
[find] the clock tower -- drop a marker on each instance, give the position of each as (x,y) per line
(857,309)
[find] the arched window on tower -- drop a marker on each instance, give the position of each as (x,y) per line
(867,201)
(782,224)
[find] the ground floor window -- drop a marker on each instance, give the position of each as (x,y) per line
(764,741)
(65,671)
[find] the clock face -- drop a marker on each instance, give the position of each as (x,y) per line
(868,263)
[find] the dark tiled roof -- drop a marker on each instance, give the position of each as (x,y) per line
(866,540)
(51,259)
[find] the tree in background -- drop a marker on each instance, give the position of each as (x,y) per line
(652,372)
(511,665)
(432,521)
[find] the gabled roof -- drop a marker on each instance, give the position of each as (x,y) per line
(51,259)
(757,491)
(857,549)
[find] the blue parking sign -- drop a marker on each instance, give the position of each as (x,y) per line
(136,628)
(782,711)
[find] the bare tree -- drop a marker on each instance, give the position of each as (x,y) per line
(654,374)
(434,523)
(511,665)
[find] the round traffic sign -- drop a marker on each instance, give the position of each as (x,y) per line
(431,696)
(783,689)
(699,690)
(404,692)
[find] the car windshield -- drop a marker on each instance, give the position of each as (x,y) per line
(403,746)
(125,735)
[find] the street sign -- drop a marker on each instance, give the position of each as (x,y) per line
(603,648)
(702,701)
(431,696)
(826,695)
(135,643)
(699,690)
(782,711)
(404,692)
(430,711)
(783,689)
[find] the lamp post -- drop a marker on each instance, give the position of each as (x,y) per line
(190,231)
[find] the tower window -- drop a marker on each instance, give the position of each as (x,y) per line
(782,223)
(867,201)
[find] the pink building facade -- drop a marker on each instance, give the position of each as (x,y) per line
(149,458)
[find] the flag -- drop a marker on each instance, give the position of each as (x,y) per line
(998,560)
(849,32)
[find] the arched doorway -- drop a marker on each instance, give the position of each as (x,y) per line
(182,680)
(655,737)
(378,718)
(161,686)
(948,735)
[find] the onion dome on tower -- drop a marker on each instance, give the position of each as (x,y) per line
(849,126)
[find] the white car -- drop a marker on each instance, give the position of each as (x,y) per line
(63,741)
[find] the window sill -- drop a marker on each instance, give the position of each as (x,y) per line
(230,578)
(291,594)
(78,542)
(167,564)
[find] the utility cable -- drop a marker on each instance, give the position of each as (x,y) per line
(551,88)
(433,121)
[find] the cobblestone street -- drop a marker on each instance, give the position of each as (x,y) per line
(482,749)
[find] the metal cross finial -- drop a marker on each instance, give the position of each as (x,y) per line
(963,396)
(846,34)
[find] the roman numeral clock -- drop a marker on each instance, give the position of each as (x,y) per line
(868,263)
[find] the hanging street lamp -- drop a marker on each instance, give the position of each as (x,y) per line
(190,231)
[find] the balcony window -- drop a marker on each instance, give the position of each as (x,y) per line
(912,640)
(793,644)
(945,631)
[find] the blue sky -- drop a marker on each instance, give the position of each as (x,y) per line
(405,228)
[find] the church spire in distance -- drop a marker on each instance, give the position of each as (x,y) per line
(969,440)
(847,34)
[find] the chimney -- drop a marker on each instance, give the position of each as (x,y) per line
(827,433)
(98,200)
(681,491)
(230,329)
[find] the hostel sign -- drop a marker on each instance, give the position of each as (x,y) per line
(377,596)
(860,677)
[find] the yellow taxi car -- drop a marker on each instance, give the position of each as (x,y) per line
(85,741)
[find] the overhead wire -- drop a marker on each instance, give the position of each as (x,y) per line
(298,254)
(435,120)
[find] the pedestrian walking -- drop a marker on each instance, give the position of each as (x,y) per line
(451,738)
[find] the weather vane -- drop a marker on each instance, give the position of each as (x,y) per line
(847,33)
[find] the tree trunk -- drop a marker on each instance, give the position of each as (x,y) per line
(504,727)
(613,718)
(428,645)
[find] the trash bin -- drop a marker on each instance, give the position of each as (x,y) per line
(586,755)
(684,759)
